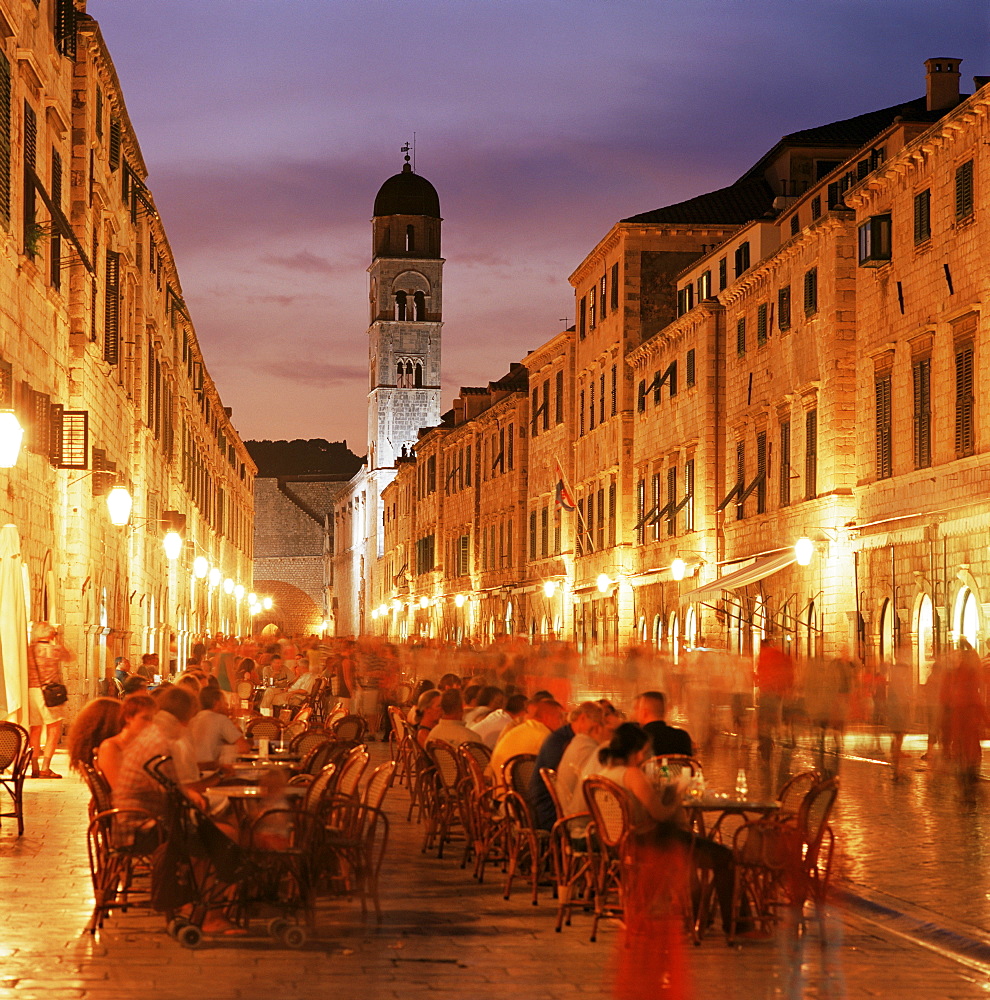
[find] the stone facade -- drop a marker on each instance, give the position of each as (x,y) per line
(796,356)
(101,364)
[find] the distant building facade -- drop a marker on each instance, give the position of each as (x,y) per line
(796,356)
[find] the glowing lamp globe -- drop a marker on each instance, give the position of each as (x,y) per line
(266,603)
(678,569)
(239,591)
(804,549)
(228,586)
(172,543)
(119,504)
(459,600)
(549,588)
(11,435)
(214,577)
(200,567)
(603,582)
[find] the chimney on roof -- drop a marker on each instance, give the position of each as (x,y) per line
(942,83)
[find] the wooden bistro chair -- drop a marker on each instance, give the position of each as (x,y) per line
(15,758)
(264,727)
(611,815)
(569,857)
(485,820)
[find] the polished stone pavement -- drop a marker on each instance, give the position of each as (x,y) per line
(910,921)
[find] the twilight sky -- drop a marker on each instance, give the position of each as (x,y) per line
(267,127)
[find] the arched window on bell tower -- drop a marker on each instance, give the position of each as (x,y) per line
(410,239)
(419,307)
(400,305)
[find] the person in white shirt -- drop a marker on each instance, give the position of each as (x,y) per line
(491,727)
(214,737)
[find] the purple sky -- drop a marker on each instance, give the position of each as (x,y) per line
(268,126)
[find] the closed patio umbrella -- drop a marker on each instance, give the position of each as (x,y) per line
(13,629)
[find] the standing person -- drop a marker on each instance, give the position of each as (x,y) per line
(344,668)
(45,657)
(775,679)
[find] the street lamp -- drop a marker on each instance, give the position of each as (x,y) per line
(804,549)
(228,586)
(238,592)
(604,582)
(200,567)
(11,435)
(549,588)
(678,569)
(266,603)
(119,504)
(172,543)
(214,577)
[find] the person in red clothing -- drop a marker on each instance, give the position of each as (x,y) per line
(775,679)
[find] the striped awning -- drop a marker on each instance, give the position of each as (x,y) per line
(757,570)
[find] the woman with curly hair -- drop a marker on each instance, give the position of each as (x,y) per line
(98,721)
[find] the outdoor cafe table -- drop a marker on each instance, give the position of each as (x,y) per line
(246,798)
(724,804)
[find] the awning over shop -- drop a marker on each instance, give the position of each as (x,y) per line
(757,570)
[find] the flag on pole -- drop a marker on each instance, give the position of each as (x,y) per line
(564,498)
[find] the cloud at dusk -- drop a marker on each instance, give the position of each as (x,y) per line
(267,127)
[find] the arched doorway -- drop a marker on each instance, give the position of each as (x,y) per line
(674,637)
(967,617)
(926,638)
(887,632)
(657,631)
(690,627)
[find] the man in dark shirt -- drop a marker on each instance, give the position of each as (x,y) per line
(649,710)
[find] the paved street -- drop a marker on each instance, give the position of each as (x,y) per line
(912,860)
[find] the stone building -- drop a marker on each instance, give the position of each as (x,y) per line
(101,365)
(406,317)
(295,491)
(796,357)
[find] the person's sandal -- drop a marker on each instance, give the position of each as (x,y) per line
(48,773)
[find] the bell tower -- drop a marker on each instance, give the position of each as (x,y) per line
(406,305)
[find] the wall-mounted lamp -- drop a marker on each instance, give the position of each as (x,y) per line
(804,549)
(172,543)
(200,567)
(214,577)
(549,588)
(228,586)
(11,435)
(119,503)
(266,603)
(459,600)
(604,582)
(239,592)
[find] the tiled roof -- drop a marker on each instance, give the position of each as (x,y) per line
(734,205)
(860,130)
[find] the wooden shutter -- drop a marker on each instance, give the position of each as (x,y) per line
(740,479)
(785,463)
(544,532)
(689,495)
(811,291)
(811,454)
(761,324)
(111,309)
(114,150)
(65,28)
(4,140)
(640,510)
(611,513)
(559,397)
(672,500)
(883,443)
(922,378)
(784,308)
(655,503)
(615,287)
(964,190)
(761,472)
(689,372)
(965,400)
(922,216)
(741,336)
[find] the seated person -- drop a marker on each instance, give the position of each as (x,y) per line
(451,727)
(215,739)
(658,819)
(649,710)
(491,727)
(136,713)
(427,715)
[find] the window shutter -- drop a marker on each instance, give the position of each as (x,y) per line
(544,532)
(640,510)
(611,513)
(761,472)
(111,310)
(689,495)
(811,454)
(785,463)
(740,479)
(964,190)
(581,414)
(601,398)
(883,443)
(559,397)
(965,400)
(741,336)
(591,407)
(922,373)
(922,216)
(546,407)
(601,518)
(65,28)
(615,389)
(811,291)
(672,500)
(4,140)
(534,415)
(655,502)
(784,308)
(114,151)
(615,287)
(761,324)
(689,373)
(580,527)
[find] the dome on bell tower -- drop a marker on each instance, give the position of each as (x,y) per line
(407,193)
